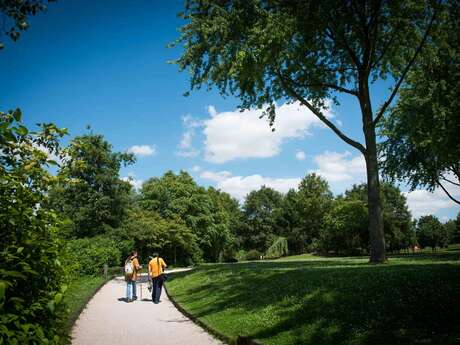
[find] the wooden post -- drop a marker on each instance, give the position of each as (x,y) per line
(106,269)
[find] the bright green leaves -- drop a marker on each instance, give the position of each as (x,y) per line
(28,248)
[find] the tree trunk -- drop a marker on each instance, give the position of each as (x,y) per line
(376,233)
(377,237)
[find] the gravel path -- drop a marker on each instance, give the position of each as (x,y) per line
(109,320)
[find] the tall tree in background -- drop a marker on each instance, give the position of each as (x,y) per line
(423,145)
(262,210)
(178,196)
(308,51)
(91,193)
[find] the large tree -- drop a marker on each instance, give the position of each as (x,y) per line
(91,193)
(308,51)
(178,196)
(262,211)
(422,144)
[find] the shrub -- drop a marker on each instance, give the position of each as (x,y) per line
(253,254)
(87,256)
(278,249)
(227,255)
(30,273)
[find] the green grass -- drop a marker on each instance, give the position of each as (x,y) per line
(76,296)
(413,299)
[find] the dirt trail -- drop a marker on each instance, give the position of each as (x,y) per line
(109,320)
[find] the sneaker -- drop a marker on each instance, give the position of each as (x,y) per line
(134,298)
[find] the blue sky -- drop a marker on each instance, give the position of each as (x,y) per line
(104,64)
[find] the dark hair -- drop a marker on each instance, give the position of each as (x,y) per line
(134,252)
(155,255)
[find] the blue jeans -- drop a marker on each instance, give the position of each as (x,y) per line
(130,289)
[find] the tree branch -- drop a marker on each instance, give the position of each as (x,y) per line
(329,86)
(323,118)
(406,70)
(452,182)
(447,193)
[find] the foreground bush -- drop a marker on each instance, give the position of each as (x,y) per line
(30,271)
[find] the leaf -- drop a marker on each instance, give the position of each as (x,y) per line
(19,250)
(2,290)
(17,114)
(58,298)
(22,130)
(50,305)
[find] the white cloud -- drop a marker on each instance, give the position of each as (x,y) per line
(338,167)
(196,168)
(131,178)
(240,186)
(233,135)
(142,150)
(300,155)
(423,202)
(186,148)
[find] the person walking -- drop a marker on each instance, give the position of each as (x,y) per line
(132,268)
(156,270)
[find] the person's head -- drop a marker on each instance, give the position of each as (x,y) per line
(154,255)
(134,253)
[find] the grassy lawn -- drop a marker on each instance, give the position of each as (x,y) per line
(414,299)
(76,296)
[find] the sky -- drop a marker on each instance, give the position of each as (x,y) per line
(106,64)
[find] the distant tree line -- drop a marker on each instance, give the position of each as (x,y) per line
(103,218)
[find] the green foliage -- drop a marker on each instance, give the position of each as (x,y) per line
(148,232)
(262,209)
(31,274)
(87,256)
(422,145)
(253,254)
(345,229)
(431,233)
(278,249)
(15,16)
(91,193)
(396,216)
(203,211)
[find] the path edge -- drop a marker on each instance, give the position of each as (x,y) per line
(72,321)
(226,339)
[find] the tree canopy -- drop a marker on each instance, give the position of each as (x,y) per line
(422,130)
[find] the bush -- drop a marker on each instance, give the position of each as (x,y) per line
(30,273)
(278,249)
(227,255)
(253,254)
(87,256)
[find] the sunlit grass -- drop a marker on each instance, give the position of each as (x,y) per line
(413,299)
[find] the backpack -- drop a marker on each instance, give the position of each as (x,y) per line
(129,268)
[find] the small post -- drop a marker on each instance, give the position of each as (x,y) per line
(106,269)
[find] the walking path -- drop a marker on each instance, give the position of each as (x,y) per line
(109,320)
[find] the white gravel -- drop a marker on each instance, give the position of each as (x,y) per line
(108,321)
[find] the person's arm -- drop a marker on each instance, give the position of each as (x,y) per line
(163,263)
(136,263)
(150,272)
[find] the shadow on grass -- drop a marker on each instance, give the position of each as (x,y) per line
(330,301)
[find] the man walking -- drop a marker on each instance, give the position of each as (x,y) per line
(132,268)
(156,270)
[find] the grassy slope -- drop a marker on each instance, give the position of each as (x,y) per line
(76,296)
(414,299)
